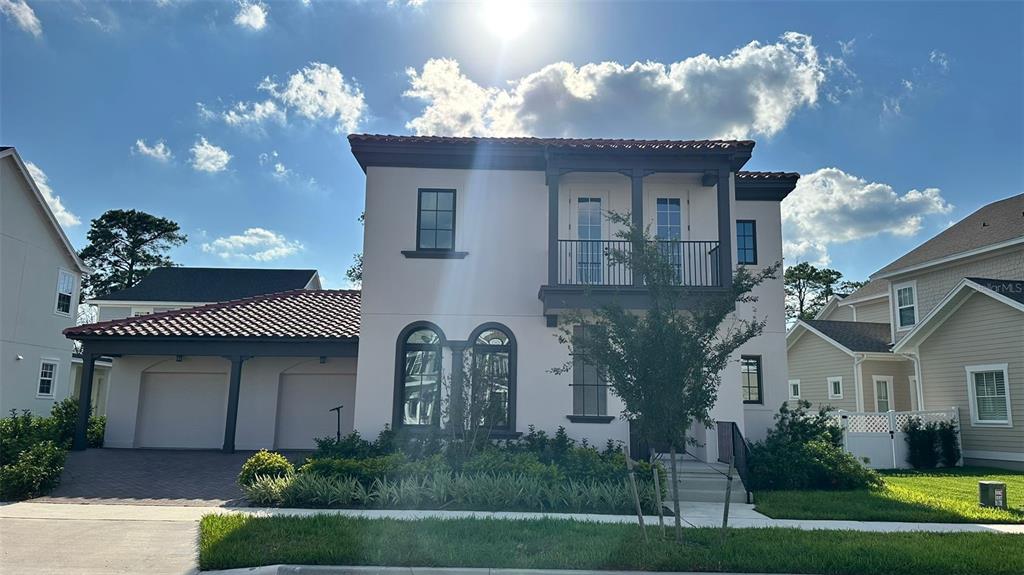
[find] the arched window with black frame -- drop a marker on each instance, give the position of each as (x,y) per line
(418,376)
(493,376)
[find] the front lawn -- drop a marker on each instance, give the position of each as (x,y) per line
(938,495)
(231,541)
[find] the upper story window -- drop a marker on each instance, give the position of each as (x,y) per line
(435,226)
(906,305)
(670,219)
(746,242)
(750,368)
(47,377)
(65,291)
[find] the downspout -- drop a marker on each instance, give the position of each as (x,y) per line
(918,383)
(858,358)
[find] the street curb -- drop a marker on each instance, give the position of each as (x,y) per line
(375,570)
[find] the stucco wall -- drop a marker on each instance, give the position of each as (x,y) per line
(257,400)
(982,331)
(502,222)
(30,328)
(812,360)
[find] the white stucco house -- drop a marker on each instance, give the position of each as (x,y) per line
(40,280)
(473,247)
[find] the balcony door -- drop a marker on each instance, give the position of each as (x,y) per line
(590,245)
(669,232)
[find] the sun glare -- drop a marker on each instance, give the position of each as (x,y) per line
(506,19)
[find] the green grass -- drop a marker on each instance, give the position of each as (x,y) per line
(940,495)
(232,541)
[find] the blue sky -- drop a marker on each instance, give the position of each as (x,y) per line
(903,117)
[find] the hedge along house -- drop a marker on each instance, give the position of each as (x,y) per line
(259,372)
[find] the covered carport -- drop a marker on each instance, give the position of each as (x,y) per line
(260,372)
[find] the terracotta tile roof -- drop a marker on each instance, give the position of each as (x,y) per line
(993,224)
(765,176)
(295,314)
(585,143)
(855,335)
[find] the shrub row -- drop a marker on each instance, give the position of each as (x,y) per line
(805,451)
(32,449)
(442,490)
(930,443)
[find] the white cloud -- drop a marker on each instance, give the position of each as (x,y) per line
(158,151)
(409,3)
(63,215)
(753,90)
(319,91)
(281,172)
(22,14)
(830,206)
(254,244)
(253,114)
(251,15)
(849,47)
(940,59)
(205,113)
(207,157)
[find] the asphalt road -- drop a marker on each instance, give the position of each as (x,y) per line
(96,547)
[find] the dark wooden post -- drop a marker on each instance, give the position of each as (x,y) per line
(234,385)
(552,228)
(81,440)
(724,228)
(637,211)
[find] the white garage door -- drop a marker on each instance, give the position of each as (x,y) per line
(303,408)
(182,410)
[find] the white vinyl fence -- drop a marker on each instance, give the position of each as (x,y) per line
(878,437)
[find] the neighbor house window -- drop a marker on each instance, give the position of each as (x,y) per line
(47,377)
(750,370)
(835,388)
(989,394)
(746,242)
(65,291)
(906,305)
(435,229)
(589,390)
(419,378)
(794,389)
(493,376)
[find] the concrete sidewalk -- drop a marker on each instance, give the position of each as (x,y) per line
(694,515)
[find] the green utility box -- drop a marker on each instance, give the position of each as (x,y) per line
(992,494)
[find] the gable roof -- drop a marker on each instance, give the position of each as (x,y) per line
(1009,292)
(852,336)
(206,285)
(6,151)
(997,224)
(295,314)
(871,290)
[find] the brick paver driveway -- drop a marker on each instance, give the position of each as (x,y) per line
(150,477)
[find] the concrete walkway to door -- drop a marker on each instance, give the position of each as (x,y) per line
(151,477)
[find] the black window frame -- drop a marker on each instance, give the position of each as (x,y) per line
(579,363)
(401,348)
(760,379)
(753,239)
(419,219)
(511,349)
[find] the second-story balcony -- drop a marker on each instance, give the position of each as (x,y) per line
(594,262)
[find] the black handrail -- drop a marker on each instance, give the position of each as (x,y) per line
(590,262)
(733,447)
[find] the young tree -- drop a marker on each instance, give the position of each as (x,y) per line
(665,363)
(124,246)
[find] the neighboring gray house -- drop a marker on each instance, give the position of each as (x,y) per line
(954,310)
(39,284)
(171,288)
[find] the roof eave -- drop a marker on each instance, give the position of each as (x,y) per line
(946,259)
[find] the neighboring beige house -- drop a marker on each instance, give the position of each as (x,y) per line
(39,284)
(954,310)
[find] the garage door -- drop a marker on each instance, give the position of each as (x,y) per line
(182,410)
(303,408)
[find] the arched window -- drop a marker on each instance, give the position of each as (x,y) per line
(418,376)
(493,375)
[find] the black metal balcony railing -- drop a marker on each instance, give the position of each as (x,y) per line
(590,262)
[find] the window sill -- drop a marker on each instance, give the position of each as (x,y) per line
(434,255)
(591,418)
